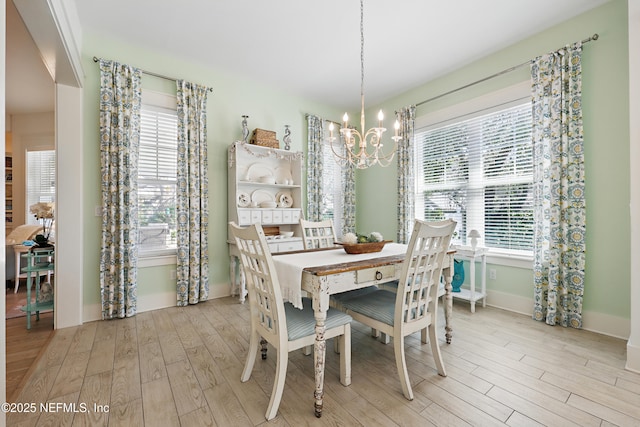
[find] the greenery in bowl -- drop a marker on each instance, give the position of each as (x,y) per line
(352,238)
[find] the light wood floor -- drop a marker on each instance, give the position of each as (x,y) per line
(23,346)
(181,366)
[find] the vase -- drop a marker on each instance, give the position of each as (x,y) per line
(458,275)
(41,242)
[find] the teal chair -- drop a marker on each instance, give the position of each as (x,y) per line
(280,324)
(412,307)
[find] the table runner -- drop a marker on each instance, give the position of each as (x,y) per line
(289,266)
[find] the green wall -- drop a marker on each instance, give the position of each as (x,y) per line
(267,107)
(605,96)
(605,102)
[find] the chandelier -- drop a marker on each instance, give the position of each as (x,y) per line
(363,149)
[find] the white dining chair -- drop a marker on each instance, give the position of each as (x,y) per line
(280,324)
(318,234)
(412,307)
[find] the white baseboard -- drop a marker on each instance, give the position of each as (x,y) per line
(93,312)
(633,358)
(605,324)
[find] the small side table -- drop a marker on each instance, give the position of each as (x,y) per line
(471,294)
(18,250)
(38,260)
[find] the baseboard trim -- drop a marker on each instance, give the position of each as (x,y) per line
(605,324)
(93,312)
(633,358)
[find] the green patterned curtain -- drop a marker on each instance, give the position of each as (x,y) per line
(349,200)
(192,195)
(315,136)
(120,100)
(406,174)
(560,209)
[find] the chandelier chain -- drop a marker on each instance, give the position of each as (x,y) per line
(362,52)
(363,148)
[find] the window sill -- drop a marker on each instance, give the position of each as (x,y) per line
(153,259)
(496,257)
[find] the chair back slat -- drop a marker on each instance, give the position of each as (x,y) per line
(318,234)
(421,270)
(265,296)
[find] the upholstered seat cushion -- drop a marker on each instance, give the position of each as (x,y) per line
(394,286)
(302,323)
(337,299)
(378,305)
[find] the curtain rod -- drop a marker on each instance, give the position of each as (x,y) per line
(499,73)
(95,59)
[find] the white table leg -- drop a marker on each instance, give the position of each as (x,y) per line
(472,282)
(484,279)
(320,307)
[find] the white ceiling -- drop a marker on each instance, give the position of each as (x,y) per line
(313,48)
(29,86)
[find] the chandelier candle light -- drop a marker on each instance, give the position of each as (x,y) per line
(363,149)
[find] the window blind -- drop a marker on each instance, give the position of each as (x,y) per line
(157,167)
(479,172)
(332,186)
(41,179)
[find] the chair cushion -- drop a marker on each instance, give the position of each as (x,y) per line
(378,305)
(394,285)
(337,299)
(301,323)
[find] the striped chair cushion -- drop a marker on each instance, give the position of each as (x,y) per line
(301,323)
(378,305)
(394,285)
(338,299)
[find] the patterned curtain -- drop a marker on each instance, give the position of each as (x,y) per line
(406,174)
(314,167)
(120,100)
(192,197)
(349,201)
(560,209)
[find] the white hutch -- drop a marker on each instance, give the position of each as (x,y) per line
(265,186)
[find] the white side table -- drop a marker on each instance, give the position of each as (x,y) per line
(18,250)
(471,294)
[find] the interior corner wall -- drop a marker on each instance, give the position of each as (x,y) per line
(633,344)
(29,131)
(605,101)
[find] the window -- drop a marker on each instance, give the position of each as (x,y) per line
(478,171)
(41,179)
(157,168)
(332,186)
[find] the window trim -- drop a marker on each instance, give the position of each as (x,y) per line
(149,258)
(484,104)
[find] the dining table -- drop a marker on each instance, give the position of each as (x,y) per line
(324,272)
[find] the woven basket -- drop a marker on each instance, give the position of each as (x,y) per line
(264,138)
(364,248)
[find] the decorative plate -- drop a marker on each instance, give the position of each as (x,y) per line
(259,196)
(243,199)
(257,171)
(284,199)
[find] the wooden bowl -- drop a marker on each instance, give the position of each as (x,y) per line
(364,248)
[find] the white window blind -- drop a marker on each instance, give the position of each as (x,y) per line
(41,180)
(478,171)
(332,186)
(157,167)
